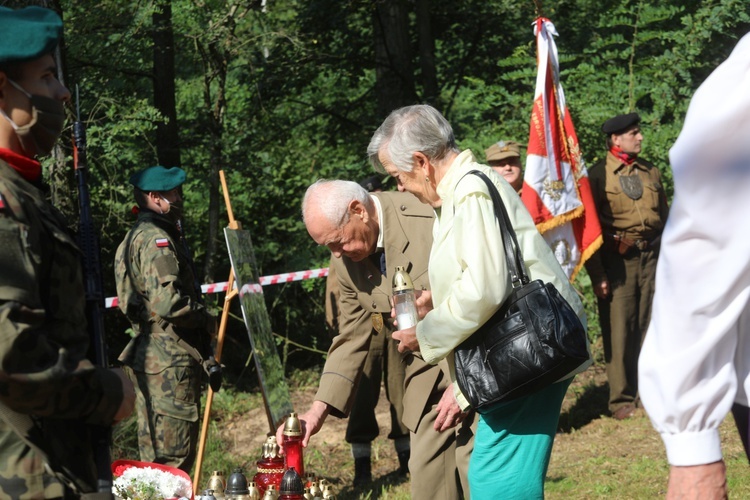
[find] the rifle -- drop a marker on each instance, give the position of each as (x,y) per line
(88,242)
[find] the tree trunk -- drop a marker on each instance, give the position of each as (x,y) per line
(167,137)
(427,53)
(215,53)
(63,193)
(394,74)
(216,160)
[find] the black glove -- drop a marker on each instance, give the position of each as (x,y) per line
(213,369)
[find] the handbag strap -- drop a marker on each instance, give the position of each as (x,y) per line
(513,256)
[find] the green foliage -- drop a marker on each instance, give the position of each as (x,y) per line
(125,439)
(300,79)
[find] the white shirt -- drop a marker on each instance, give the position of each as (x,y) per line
(381,222)
(695,361)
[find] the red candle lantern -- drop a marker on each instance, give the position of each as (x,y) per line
(291,486)
(293,444)
(270,466)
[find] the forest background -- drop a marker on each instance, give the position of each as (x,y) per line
(279,93)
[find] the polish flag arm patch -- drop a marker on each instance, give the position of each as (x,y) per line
(162,242)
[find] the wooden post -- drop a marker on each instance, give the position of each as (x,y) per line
(230,294)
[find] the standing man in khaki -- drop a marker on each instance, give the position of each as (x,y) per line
(158,292)
(358,228)
(505,158)
(632,208)
(383,364)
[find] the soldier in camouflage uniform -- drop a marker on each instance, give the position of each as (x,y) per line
(157,291)
(49,391)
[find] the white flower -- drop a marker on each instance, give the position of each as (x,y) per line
(150,484)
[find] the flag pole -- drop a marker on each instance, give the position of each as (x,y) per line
(538,8)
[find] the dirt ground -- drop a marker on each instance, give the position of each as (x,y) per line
(594,456)
(329,455)
(327,451)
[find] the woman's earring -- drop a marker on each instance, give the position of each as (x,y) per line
(426,179)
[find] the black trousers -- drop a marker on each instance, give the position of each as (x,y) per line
(741,416)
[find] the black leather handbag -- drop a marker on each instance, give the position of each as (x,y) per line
(532,341)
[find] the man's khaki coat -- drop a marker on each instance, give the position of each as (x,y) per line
(364,311)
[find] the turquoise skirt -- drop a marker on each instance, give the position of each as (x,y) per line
(513,445)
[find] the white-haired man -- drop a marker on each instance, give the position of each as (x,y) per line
(359,227)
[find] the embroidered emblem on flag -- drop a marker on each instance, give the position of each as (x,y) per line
(162,242)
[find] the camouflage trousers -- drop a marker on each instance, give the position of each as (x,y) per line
(168,407)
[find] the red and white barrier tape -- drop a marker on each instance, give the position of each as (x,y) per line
(275,279)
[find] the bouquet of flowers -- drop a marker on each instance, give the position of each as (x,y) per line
(145,481)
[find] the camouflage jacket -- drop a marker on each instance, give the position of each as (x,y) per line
(43,341)
(157,291)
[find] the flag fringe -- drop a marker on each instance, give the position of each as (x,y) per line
(587,253)
(559,220)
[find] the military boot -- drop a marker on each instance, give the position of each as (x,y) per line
(403,462)
(362,471)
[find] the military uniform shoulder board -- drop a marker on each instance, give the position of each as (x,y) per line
(162,242)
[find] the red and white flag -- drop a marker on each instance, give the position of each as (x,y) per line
(556,187)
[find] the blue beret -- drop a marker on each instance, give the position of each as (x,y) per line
(158,178)
(620,123)
(28,33)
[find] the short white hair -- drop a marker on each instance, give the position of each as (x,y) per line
(420,128)
(332,199)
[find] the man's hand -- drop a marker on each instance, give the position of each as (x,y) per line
(601,289)
(698,482)
(449,413)
(128,396)
(407,339)
(310,423)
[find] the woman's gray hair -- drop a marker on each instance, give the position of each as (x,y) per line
(420,128)
(332,198)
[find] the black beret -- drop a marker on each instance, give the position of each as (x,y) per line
(620,123)
(28,33)
(158,178)
(372,183)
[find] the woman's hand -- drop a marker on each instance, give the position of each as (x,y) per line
(423,303)
(407,339)
(449,413)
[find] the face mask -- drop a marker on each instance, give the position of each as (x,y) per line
(39,136)
(174,209)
